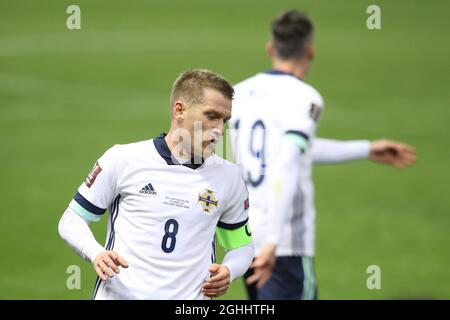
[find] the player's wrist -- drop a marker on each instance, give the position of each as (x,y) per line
(228,268)
(92,251)
(272,242)
(376,147)
(272,248)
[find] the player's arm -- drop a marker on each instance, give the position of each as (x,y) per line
(76,232)
(89,204)
(328,151)
(284,180)
(233,234)
(334,151)
(235,263)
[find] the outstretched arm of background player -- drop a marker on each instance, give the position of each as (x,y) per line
(394,153)
(76,232)
(235,263)
(284,180)
(335,151)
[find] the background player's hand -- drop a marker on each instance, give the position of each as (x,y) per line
(108,262)
(219,282)
(263,265)
(394,153)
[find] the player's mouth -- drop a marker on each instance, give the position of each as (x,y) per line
(211,141)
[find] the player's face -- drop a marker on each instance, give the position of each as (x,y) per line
(206,122)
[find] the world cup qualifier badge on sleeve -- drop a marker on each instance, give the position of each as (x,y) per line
(93,175)
(314,112)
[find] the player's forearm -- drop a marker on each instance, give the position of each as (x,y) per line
(238,260)
(76,232)
(284,180)
(334,151)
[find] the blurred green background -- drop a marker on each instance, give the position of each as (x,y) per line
(66,96)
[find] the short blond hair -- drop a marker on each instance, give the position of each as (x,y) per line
(190,86)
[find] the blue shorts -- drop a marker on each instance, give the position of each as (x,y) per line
(293,278)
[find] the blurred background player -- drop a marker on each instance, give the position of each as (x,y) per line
(166,198)
(274,120)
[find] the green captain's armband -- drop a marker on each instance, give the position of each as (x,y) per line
(233,236)
(299,138)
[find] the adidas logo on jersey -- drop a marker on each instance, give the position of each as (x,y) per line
(148,189)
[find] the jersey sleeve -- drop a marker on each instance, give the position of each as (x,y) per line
(98,191)
(304,113)
(232,229)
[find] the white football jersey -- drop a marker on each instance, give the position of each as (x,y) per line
(162,217)
(266,107)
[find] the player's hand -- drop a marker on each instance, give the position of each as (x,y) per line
(219,282)
(263,266)
(108,262)
(393,153)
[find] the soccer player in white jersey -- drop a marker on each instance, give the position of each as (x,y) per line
(167,198)
(274,119)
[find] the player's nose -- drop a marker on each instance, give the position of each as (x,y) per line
(218,131)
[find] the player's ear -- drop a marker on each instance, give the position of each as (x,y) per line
(269,49)
(178,110)
(310,52)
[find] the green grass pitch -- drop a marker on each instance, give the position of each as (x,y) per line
(67,96)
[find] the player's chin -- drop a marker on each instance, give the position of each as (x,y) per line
(208,149)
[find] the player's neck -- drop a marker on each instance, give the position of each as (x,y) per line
(297,68)
(176,147)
